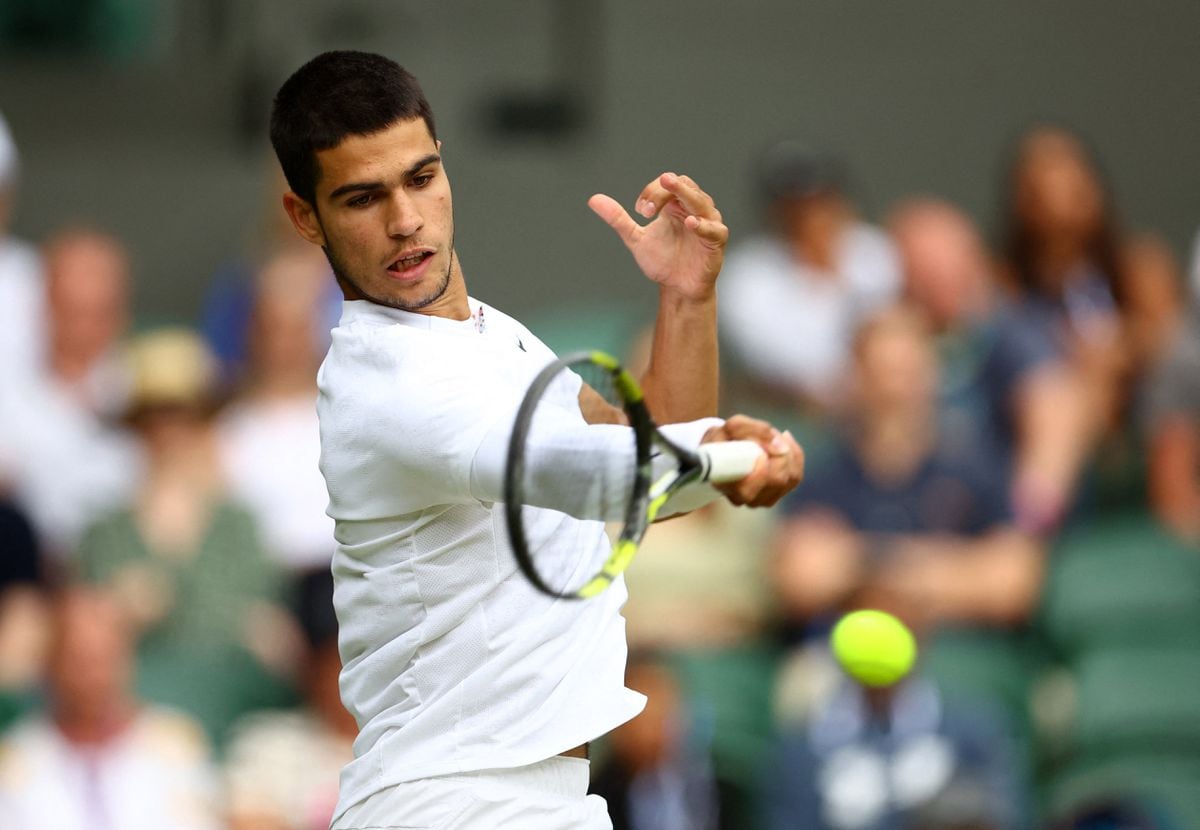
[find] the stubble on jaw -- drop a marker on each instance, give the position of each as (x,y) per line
(340,274)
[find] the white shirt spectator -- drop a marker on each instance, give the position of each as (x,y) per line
(22,307)
(271,452)
(155,775)
(284,766)
(68,463)
(791,324)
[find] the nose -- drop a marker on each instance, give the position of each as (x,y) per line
(404,218)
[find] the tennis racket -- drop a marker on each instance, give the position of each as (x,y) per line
(567,568)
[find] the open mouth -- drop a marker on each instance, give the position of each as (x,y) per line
(410,265)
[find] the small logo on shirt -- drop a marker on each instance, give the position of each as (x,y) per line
(520,345)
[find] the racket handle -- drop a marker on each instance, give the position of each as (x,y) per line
(726,461)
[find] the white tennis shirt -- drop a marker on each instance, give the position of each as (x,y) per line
(452,662)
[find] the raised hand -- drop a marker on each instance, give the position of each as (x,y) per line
(682,248)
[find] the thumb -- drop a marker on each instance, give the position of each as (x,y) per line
(608,209)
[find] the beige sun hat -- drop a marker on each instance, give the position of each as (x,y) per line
(171,367)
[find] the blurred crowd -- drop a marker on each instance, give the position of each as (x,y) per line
(1003,449)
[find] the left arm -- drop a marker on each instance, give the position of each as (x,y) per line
(682,250)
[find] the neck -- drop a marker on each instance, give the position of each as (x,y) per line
(95,727)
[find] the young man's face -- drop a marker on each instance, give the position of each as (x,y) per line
(383,215)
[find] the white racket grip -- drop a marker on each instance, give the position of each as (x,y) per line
(726,461)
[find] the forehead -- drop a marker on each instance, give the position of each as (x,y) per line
(377,157)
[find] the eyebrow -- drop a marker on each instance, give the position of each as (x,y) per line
(355,187)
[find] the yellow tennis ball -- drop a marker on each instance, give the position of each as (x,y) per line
(873,647)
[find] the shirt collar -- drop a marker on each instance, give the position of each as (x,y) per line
(366,310)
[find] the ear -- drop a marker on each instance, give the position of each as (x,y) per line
(304,218)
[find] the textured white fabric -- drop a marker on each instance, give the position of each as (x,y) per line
(452,662)
(549,795)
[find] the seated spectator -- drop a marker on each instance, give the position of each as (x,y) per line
(900,757)
(790,300)
(1153,322)
(1063,259)
(1173,422)
(283,766)
(897,518)
(658,775)
(98,757)
(67,460)
(183,559)
(269,439)
(230,299)
(1003,381)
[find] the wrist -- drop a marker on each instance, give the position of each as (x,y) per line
(691,299)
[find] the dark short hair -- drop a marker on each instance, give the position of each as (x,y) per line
(335,95)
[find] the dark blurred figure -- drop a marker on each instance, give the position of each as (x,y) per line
(790,300)
(268,435)
(67,458)
(657,777)
(899,758)
(1172,391)
(184,560)
(1063,260)
(22,612)
(1113,815)
(1005,379)
(283,766)
(98,757)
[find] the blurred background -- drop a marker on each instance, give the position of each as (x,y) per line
(963,270)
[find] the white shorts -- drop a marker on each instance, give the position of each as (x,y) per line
(548,795)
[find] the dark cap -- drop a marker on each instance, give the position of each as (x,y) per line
(794,170)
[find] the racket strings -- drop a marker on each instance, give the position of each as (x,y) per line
(585,471)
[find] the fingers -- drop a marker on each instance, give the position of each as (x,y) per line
(608,209)
(778,472)
(671,187)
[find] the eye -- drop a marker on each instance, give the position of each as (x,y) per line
(422,179)
(361,201)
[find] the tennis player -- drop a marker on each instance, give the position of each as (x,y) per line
(475,695)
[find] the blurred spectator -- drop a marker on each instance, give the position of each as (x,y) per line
(1152,324)
(22,304)
(68,460)
(269,440)
(185,561)
(790,300)
(230,300)
(99,758)
(1003,380)
(1174,434)
(698,581)
(901,758)
(657,776)
(1063,260)
(897,518)
(283,767)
